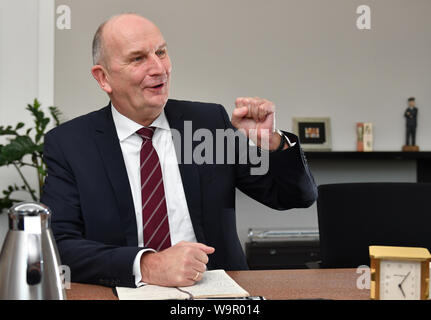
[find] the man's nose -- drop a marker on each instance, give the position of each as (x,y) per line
(155,65)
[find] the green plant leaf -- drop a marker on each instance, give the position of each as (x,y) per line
(18,148)
(7,131)
(56,115)
(2,159)
(19,125)
(21,145)
(5,203)
(38,136)
(41,171)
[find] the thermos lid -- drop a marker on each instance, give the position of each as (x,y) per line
(29,213)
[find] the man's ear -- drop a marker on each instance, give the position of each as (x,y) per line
(99,73)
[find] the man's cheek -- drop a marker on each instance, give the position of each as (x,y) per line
(168,67)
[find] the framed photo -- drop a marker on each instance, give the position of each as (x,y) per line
(314,133)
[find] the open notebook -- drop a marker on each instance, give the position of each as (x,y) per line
(214,284)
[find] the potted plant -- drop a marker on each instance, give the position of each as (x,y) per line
(25,149)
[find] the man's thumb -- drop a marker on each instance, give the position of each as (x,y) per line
(240,112)
(207,249)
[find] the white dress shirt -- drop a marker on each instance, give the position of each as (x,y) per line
(180,224)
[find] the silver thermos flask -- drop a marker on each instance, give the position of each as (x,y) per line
(29,260)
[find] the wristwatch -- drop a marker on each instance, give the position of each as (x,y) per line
(284,140)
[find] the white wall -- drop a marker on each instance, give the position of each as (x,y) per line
(25,61)
(305,55)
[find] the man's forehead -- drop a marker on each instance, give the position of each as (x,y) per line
(133,33)
(130,21)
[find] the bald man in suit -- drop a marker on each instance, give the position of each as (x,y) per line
(126,210)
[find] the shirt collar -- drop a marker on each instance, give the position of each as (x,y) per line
(127,127)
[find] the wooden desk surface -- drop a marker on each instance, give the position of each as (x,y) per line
(338,284)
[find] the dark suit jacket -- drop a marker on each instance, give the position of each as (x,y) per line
(88,191)
(411,116)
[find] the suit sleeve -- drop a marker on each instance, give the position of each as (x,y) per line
(288,182)
(89,261)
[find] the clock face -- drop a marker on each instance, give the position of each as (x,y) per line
(400,280)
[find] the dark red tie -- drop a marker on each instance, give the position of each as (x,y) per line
(154,211)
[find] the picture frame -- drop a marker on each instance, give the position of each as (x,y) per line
(314,133)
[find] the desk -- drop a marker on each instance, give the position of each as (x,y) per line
(339,284)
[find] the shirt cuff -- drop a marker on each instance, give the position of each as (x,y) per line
(137,267)
(289,143)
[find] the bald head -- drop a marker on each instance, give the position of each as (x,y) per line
(118,26)
(132,65)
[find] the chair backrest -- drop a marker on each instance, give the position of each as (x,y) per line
(356,215)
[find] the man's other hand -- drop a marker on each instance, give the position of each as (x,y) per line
(180,265)
(256,115)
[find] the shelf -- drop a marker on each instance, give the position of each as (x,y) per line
(422,158)
(375,155)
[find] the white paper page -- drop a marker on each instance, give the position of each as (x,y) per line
(150,292)
(215,283)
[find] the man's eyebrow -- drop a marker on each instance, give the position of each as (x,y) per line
(163,45)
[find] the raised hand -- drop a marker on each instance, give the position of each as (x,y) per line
(256,115)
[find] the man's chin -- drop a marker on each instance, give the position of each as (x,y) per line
(157,102)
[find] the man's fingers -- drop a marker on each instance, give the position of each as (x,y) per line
(269,107)
(254,110)
(198,267)
(257,108)
(191,278)
(199,276)
(206,249)
(201,256)
(265,109)
(240,113)
(262,112)
(247,104)
(196,273)
(241,102)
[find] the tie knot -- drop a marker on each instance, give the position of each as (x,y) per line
(146,133)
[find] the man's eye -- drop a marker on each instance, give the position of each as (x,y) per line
(136,59)
(161,53)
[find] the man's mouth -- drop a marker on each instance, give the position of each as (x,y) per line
(158,86)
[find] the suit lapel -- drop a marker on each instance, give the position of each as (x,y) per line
(189,172)
(112,159)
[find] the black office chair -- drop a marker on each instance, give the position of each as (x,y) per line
(357,215)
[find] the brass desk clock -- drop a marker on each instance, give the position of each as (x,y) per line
(399,273)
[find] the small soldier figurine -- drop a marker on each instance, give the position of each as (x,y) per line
(411,115)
